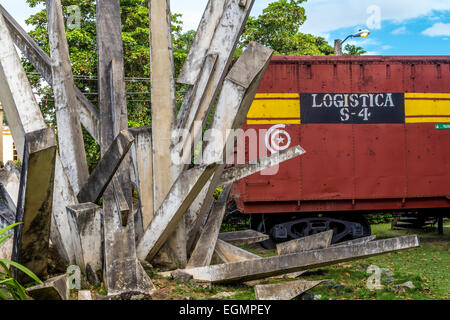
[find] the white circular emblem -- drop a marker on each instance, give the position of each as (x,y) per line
(277,140)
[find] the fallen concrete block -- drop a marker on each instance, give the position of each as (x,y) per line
(84,295)
(53,289)
(180,197)
(273,266)
(34,206)
(93,190)
(88,217)
(355,241)
(315,242)
(204,250)
(285,290)
(229,253)
(244,237)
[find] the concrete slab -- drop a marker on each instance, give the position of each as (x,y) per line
(89,114)
(355,241)
(285,290)
(89,219)
(315,242)
(34,206)
(180,197)
(229,253)
(53,289)
(244,237)
(84,295)
(273,266)
(71,144)
(110,162)
(204,250)
(236,96)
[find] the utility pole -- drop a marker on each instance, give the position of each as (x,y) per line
(337,47)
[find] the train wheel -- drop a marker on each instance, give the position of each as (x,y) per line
(266,227)
(361,219)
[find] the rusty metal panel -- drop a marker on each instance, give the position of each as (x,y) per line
(380,161)
(357,165)
(327,166)
(428,161)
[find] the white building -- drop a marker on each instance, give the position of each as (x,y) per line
(7,148)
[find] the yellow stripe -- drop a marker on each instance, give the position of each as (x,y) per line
(273,121)
(277,95)
(428,120)
(427,107)
(427,95)
(269,109)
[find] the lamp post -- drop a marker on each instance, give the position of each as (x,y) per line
(338,43)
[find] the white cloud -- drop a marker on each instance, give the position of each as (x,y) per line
(438,30)
(399,31)
(386,47)
(328,15)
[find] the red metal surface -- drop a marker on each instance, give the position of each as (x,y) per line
(355,167)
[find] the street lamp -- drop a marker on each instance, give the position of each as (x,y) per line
(338,43)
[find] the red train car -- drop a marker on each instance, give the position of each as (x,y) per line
(376,130)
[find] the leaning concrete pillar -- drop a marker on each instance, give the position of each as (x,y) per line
(34,207)
(122,271)
(238,92)
(70,136)
(163,117)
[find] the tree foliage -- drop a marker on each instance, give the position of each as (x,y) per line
(353,50)
(278,28)
(83,54)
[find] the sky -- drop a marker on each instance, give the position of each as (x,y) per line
(398,27)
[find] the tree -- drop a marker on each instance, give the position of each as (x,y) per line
(83,54)
(353,50)
(278,28)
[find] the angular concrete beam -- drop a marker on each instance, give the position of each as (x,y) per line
(93,190)
(122,271)
(76,241)
(244,237)
(229,253)
(141,152)
(223,44)
(273,266)
(20,106)
(24,116)
(238,92)
(180,197)
(34,206)
(355,241)
(239,172)
(204,250)
(285,290)
(89,218)
(121,201)
(202,42)
(315,242)
(89,114)
(53,289)
(70,137)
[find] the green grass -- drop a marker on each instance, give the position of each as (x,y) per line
(427,267)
